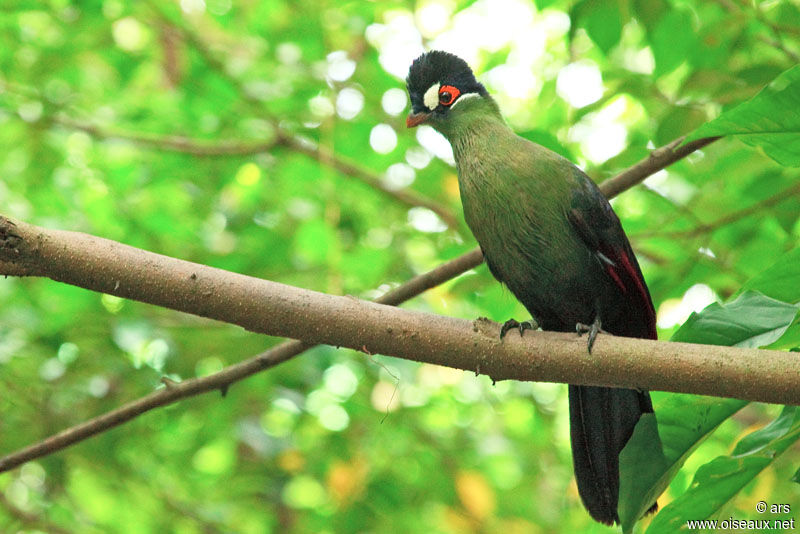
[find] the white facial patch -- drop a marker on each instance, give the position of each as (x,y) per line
(431,98)
(464,96)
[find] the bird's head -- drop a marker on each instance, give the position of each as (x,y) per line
(438,82)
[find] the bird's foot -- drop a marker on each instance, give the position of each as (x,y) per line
(521,326)
(593,329)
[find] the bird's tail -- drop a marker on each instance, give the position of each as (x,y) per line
(601,422)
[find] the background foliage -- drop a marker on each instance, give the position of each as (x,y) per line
(92,97)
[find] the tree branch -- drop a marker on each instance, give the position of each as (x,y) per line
(204,148)
(172,143)
(658,159)
(705,228)
(348,168)
(9,238)
(272,308)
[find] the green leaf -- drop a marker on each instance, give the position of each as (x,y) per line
(678,121)
(770,120)
(796,476)
(649,12)
(684,422)
(672,40)
(603,24)
(781,281)
(640,462)
(717,482)
(647,465)
(752,320)
(790,340)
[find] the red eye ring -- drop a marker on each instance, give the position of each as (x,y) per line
(448,94)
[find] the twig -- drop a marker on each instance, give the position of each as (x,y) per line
(743,11)
(348,168)
(726,219)
(776,31)
(778,43)
(285,351)
(658,159)
(204,148)
(173,143)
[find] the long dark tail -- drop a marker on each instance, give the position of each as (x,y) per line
(601,422)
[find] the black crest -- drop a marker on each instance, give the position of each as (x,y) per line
(439,67)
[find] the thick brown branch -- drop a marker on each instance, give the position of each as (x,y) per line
(276,309)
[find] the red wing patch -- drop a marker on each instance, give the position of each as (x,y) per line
(613,274)
(607,241)
(627,277)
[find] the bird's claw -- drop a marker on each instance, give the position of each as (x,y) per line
(521,326)
(593,329)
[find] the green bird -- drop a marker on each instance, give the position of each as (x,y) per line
(550,235)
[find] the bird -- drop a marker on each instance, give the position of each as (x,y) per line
(552,238)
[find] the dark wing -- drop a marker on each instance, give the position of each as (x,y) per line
(598,226)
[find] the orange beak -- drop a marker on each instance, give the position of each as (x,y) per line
(415,119)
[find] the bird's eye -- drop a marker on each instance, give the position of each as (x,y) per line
(448,95)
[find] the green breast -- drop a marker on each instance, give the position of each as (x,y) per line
(516,196)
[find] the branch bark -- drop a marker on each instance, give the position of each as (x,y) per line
(277,309)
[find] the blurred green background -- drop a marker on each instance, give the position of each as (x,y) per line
(217,131)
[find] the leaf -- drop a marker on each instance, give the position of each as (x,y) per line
(796,476)
(770,120)
(752,320)
(684,422)
(603,24)
(790,340)
(649,12)
(718,481)
(781,281)
(640,462)
(672,40)
(678,121)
